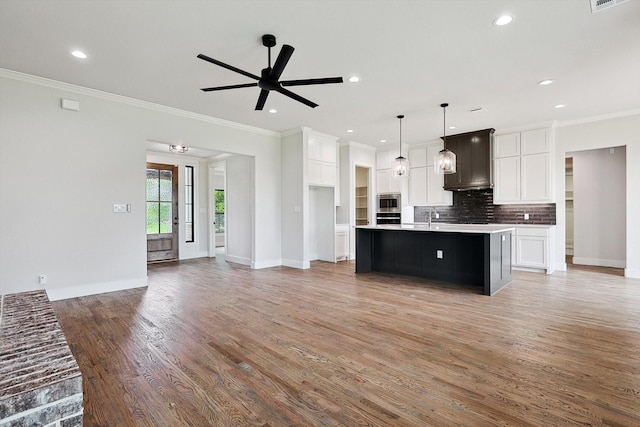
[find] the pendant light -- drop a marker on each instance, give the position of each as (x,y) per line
(401,168)
(445,161)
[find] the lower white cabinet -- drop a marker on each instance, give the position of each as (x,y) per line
(531,248)
(342,242)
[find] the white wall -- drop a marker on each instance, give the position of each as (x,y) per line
(294,199)
(609,132)
(599,192)
(240,209)
(61,171)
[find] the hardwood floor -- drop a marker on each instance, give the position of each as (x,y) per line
(213,343)
(596,268)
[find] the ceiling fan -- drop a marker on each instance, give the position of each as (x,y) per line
(269,78)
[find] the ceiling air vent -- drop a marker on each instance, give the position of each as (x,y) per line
(598,5)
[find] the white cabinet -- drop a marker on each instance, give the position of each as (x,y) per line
(322,161)
(425,185)
(342,242)
(531,248)
(535,182)
(522,167)
(418,186)
(506,175)
(386,183)
(385,159)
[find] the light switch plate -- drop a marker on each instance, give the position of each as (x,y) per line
(439,254)
(119,208)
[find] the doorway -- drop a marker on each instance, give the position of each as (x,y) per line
(217,194)
(362,196)
(162,212)
(595,207)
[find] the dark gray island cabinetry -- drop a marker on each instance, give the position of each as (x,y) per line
(478,255)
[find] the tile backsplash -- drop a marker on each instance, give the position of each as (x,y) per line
(476,207)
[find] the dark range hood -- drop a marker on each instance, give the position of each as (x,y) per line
(473,152)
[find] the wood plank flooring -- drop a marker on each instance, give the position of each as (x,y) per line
(214,343)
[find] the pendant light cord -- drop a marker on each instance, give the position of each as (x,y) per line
(444,122)
(400,117)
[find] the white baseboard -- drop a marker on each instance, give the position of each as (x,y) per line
(56,294)
(600,262)
(238,260)
(200,254)
(266,264)
(296,264)
(632,273)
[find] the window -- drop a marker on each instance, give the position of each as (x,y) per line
(219,206)
(188,204)
(159,201)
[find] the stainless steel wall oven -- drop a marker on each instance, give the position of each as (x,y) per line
(389,209)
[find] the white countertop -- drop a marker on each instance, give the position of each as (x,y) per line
(441,227)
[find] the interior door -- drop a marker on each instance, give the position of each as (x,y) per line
(162,212)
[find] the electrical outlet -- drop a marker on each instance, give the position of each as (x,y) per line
(42,279)
(526,216)
(437,215)
(439,254)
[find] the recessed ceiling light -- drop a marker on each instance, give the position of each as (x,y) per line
(273,110)
(79,54)
(349,130)
(383,140)
(503,20)
(354,79)
(559,106)
(545,82)
(452,127)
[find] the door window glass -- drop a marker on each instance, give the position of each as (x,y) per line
(159,201)
(219,214)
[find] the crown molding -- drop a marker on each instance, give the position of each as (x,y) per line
(42,81)
(599,118)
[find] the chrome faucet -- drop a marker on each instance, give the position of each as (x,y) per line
(435,211)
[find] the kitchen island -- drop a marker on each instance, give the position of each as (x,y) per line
(467,254)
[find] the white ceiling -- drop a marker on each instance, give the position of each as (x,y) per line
(411,56)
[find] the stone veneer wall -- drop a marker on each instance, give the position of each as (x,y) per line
(476,207)
(40,381)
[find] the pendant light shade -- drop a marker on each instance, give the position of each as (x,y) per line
(445,161)
(401,166)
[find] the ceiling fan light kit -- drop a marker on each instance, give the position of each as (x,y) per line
(269,79)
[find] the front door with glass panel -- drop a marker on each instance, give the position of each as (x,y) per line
(162,212)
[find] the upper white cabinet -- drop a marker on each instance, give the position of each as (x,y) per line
(386,183)
(322,160)
(522,167)
(425,185)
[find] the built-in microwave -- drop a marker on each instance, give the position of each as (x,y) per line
(389,202)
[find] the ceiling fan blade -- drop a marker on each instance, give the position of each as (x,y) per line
(228,67)
(298,98)
(281,61)
(304,82)
(211,89)
(262,99)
